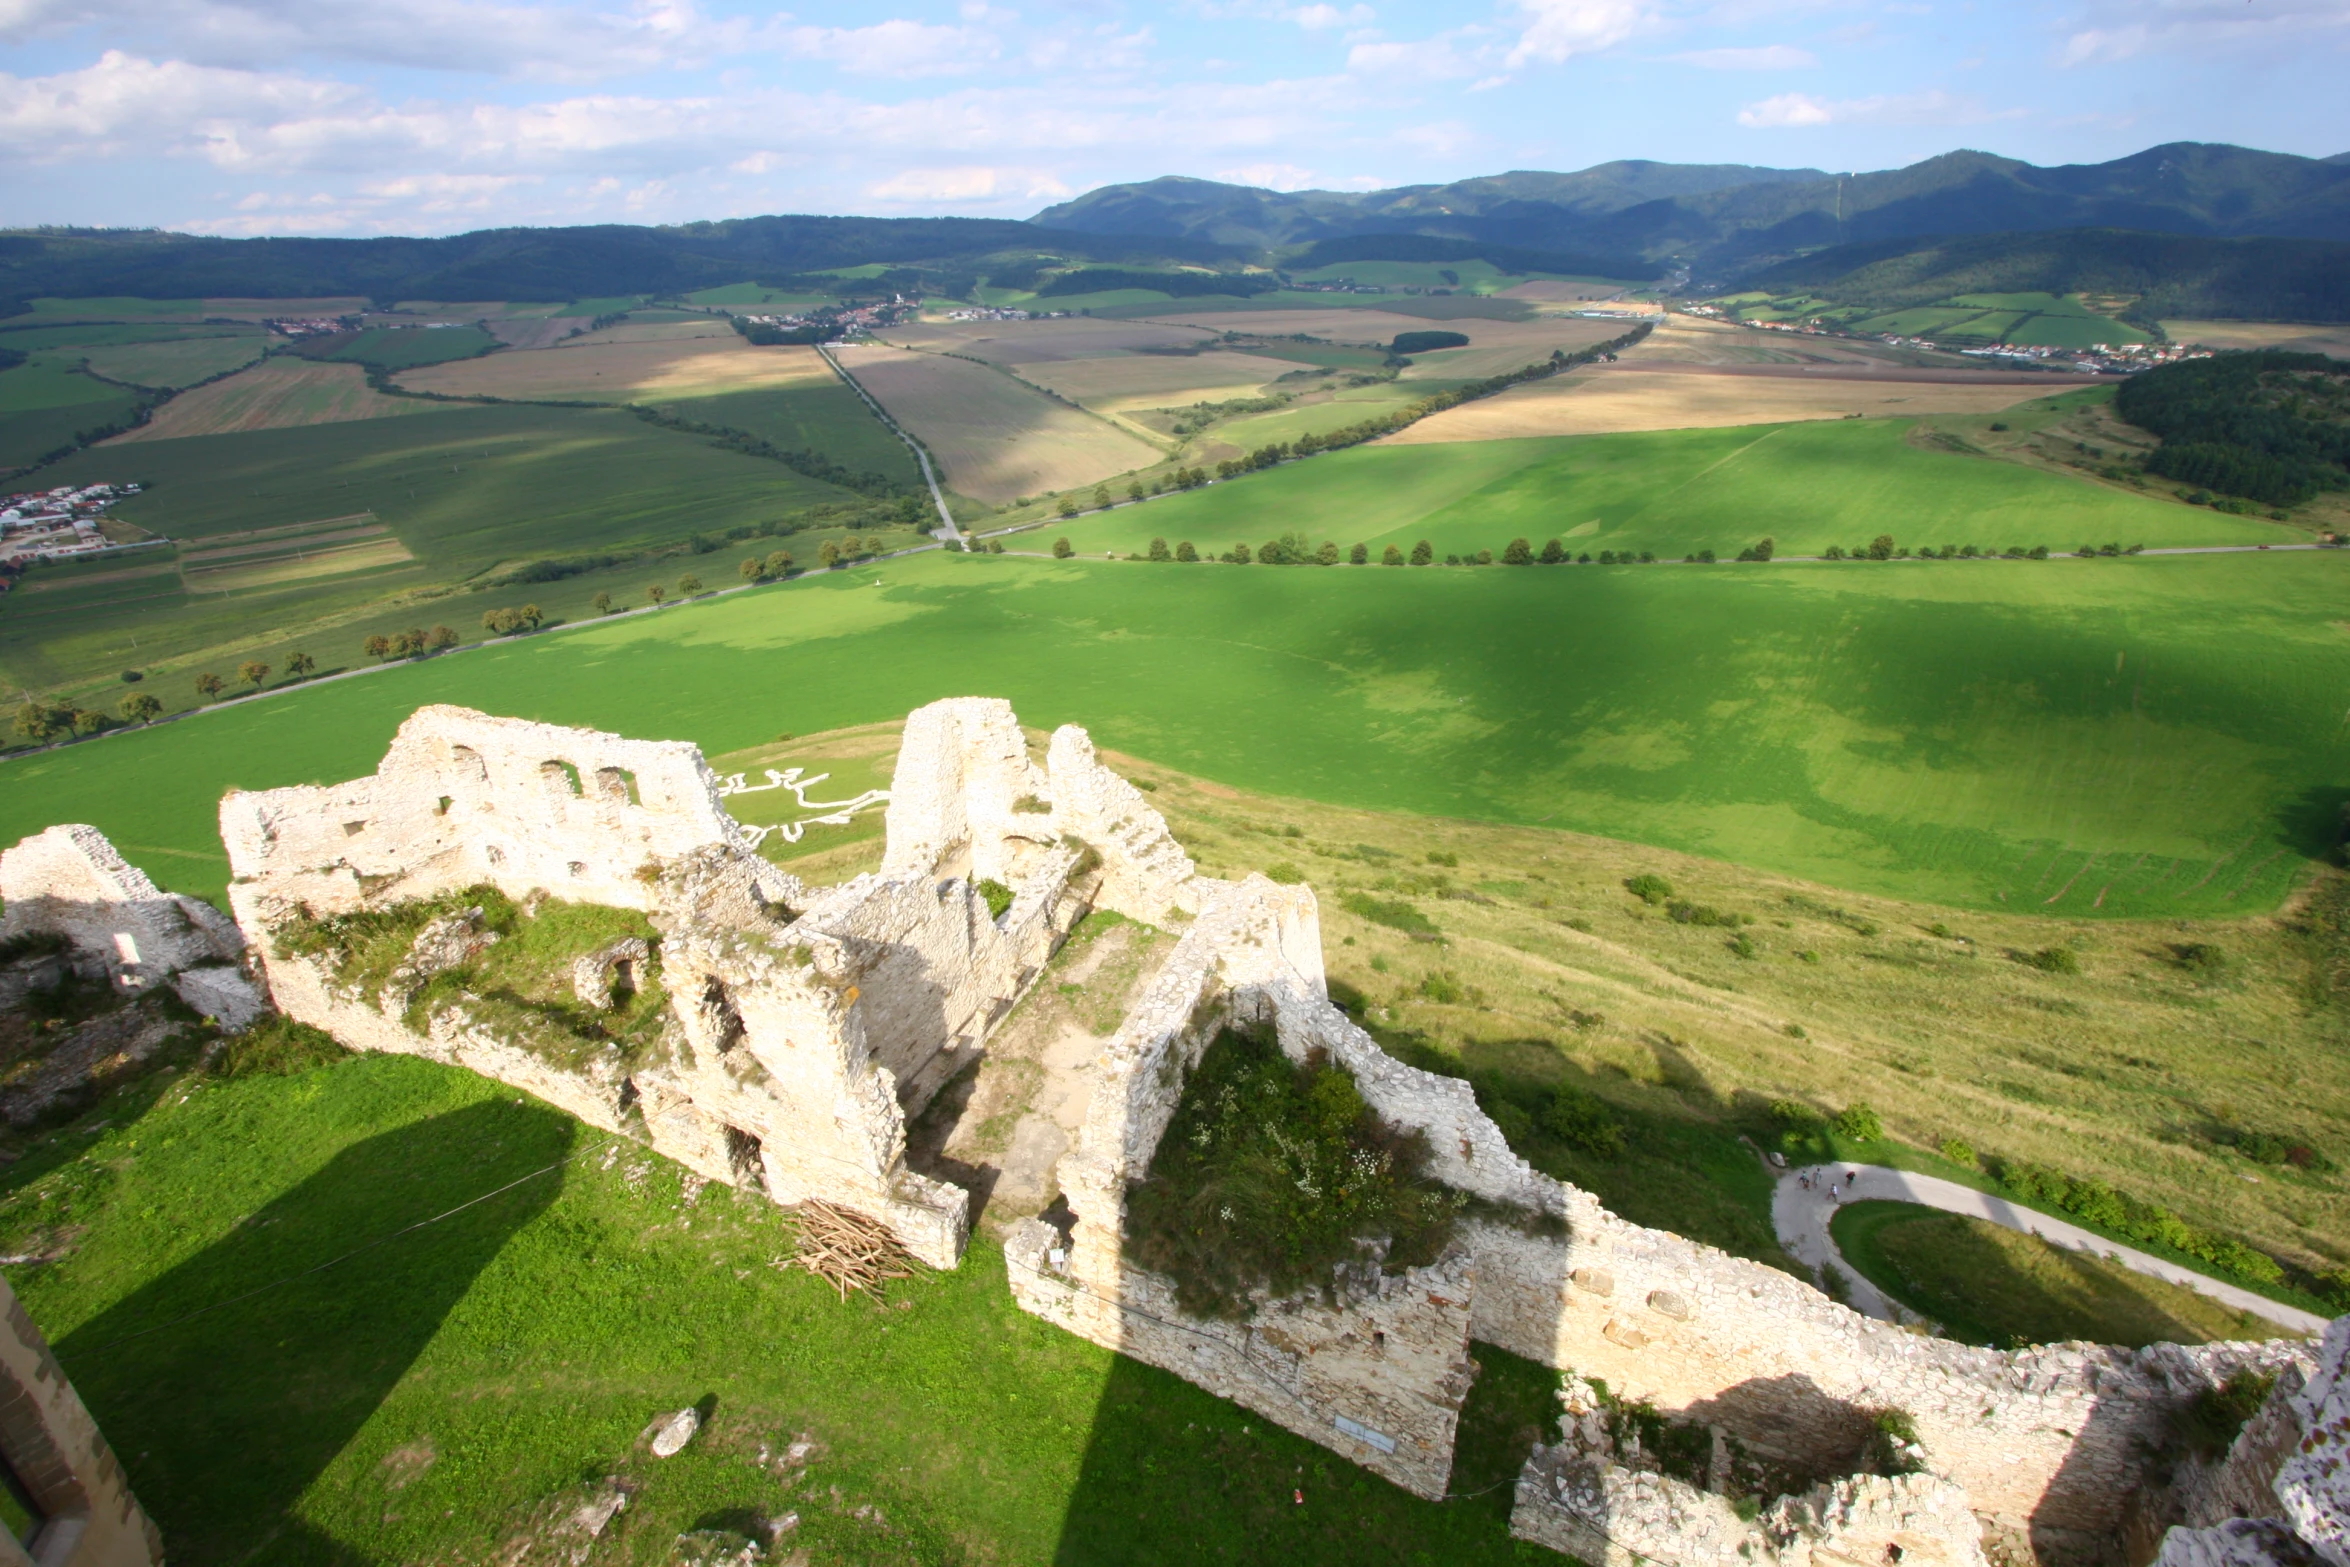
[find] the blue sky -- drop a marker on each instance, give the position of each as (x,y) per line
(432,116)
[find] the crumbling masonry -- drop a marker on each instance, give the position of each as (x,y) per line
(807,1024)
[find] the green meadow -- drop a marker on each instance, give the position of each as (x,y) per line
(1673,492)
(823,417)
(2150,737)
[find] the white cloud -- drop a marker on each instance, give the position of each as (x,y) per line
(1794,111)
(1446,57)
(1771,57)
(1269,176)
(930,187)
(1558,30)
(2112,30)
(1323,18)
(896,48)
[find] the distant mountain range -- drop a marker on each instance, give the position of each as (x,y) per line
(1725,219)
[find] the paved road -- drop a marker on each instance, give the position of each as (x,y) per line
(1801,1218)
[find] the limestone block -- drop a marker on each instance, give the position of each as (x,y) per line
(2238,1542)
(1145,872)
(69,881)
(224,993)
(2313,1483)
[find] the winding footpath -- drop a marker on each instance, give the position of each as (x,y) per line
(1801,1217)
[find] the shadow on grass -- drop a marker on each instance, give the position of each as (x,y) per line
(1173,1474)
(225,1419)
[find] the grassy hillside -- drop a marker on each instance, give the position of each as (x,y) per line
(2148,736)
(1674,492)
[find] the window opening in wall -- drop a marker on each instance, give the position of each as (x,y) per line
(616,784)
(726,1023)
(126,947)
(469,762)
(442,809)
(20,1515)
(577,867)
(562,778)
(353,829)
(742,1152)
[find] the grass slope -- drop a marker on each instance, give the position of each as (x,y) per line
(2157,736)
(422,1401)
(1674,492)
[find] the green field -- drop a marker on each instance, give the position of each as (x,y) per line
(46,401)
(467,490)
(824,417)
(2154,737)
(407,347)
(1671,492)
(1989,1285)
(178,363)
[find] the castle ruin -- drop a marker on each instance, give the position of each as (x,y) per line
(805,1026)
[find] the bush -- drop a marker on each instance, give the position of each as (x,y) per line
(1185,554)
(1359,555)
(1391,556)
(1648,887)
(1393,913)
(998,896)
(1959,1152)
(1582,1121)
(1442,989)
(1272,1174)
(1553,553)
(2052,960)
(1859,1124)
(1423,552)
(1063,549)
(1684,912)
(1159,551)
(1517,553)
(1285,873)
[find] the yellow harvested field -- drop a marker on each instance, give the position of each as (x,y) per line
(608,372)
(2331,338)
(996,438)
(337,562)
(1614,398)
(276,394)
(1159,380)
(1029,342)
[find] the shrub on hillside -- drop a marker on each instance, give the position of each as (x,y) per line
(1959,1152)
(1185,554)
(1394,913)
(1553,552)
(1860,1124)
(276,1047)
(2051,960)
(1648,887)
(1582,1121)
(1063,549)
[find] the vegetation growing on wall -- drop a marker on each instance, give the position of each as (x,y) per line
(1273,1174)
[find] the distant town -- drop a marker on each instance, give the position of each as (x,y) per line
(59,524)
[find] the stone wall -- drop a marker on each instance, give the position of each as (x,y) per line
(2288,1473)
(69,881)
(63,1462)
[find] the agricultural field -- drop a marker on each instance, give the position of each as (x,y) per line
(176,363)
(604,370)
(1600,399)
(996,438)
(1806,485)
(2324,338)
(45,401)
(472,493)
(399,347)
(1031,342)
(1159,381)
(279,393)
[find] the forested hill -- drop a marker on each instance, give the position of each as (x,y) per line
(552,264)
(1723,217)
(2170,275)
(2269,426)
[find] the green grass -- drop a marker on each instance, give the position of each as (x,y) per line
(466,489)
(1672,492)
(176,363)
(1990,1285)
(102,334)
(426,1397)
(50,382)
(2156,736)
(30,434)
(825,417)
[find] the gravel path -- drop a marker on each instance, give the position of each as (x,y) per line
(1801,1218)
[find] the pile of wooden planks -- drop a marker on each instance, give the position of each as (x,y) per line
(848,1250)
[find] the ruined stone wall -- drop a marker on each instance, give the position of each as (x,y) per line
(2287,1478)
(61,1458)
(69,881)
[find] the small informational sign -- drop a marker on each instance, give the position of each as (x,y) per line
(1363,1433)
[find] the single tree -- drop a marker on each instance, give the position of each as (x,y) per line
(752,570)
(380,646)
(1068,506)
(1101,496)
(689,584)
(1359,555)
(995,546)
(1517,553)
(1158,550)
(208,685)
(603,603)
(1185,553)
(442,639)
(299,665)
(1063,549)
(1134,491)
(87,720)
(1485,557)
(37,722)
(1328,554)
(1881,547)
(1391,556)
(253,672)
(141,709)
(778,562)
(828,555)
(1553,553)
(1423,552)
(408,643)
(1239,555)
(656,593)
